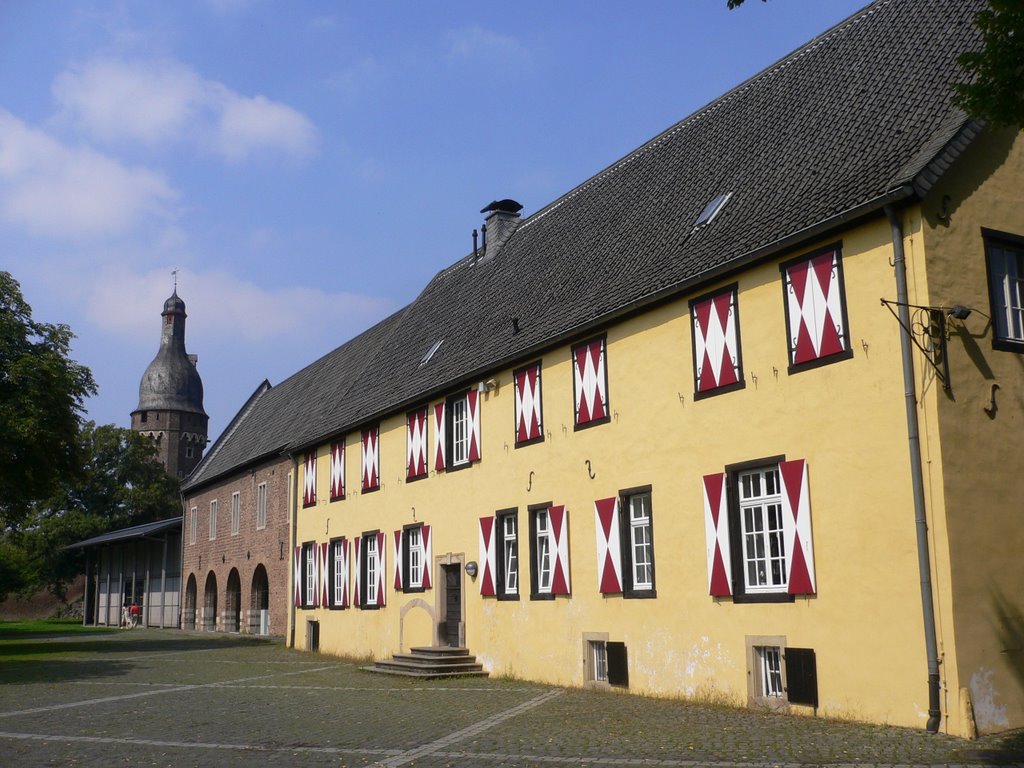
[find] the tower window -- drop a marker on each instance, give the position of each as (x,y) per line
(144,417)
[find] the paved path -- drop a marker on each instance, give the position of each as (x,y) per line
(165,698)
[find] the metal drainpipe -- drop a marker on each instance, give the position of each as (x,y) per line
(916,474)
(293,537)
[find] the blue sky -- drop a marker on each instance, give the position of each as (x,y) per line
(307,167)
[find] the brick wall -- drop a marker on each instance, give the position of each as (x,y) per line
(243,552)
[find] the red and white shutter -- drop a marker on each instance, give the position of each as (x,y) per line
(716,535)
(439,438)
(338,470)
(398,561)
(528,423)
(309,480)
(716,348)
(428,555)
(357,572)
(473,403)
(796,527)
(416,444)
(371,458)
(814,304)
(487,558)
(559,533)
(382,579)
(609,551)
(297,576)
(325,575)
(589,372)
(343,544)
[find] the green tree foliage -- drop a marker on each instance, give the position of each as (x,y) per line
(994,91)
(120,483)
(42,394)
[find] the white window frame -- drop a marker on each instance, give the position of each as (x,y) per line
(189,452)
(510,553)
(414,548)
(461,430)
(193,524)
(761,530)
(261,506)
(544,565)
(236,512)
(641,541)
(309,555)
(372,569)
(769,662)
(338,558)
(213,520)
(599,661)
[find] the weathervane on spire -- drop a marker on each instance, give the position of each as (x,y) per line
(174,274)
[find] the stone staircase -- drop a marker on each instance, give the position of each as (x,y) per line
(431,663)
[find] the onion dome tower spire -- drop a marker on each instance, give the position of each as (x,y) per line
(170,408)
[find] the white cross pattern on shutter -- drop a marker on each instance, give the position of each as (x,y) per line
(796,527)
(558,534)
(716,535)
(416,444)
(609,552)
(371,458)
(487,557)
(716,351)
(309,480)
(814,303)
(338,470)
(381,569)
(528,422)
(398,561)
(589,373)
(325,571)
(440,458)
(473,401)
(428,556)
(357,572)
(297,576)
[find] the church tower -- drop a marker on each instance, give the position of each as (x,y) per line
(170,406)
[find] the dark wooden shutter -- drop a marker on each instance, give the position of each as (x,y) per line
(801,676)
(618,665)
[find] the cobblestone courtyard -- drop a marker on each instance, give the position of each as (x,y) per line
(164,698)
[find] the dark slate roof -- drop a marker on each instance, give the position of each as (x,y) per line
(128,534)
(857,118)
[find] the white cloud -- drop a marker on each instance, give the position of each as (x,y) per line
(158,102)
(475,42)
(51,189)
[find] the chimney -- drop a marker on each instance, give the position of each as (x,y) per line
(501,221)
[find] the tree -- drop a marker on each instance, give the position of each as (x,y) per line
(42,394)
(121,483)
(994,91)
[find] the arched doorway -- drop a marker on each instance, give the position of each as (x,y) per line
(232,602)
(259,606)
(188,615)
(210,604)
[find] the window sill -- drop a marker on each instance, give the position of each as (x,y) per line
(764,597)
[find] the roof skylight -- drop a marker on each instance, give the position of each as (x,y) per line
(711,210)
(430,352)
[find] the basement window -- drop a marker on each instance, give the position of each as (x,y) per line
(606,663)
(711,210)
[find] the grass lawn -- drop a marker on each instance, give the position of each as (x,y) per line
(22,629)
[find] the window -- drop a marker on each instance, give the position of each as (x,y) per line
(192,524)
(369,570)
(309,480)
(711,210)
(640,545)
(189,452)
(370,440)
(770,662)
(606,662)
(235,513)
(339,573)
(549,552)
(590,383)
(625,544)
(309,575)
(459,415)
(261,506)
(213,520)
(529,418)
(714,319)
(508,555)
(758,526)
(416,444)
(814,298)
(778,676)
(412,558)
(461,431)
(1004,256)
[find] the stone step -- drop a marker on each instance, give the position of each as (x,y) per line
(431,663)
(422,674)
(439,650)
